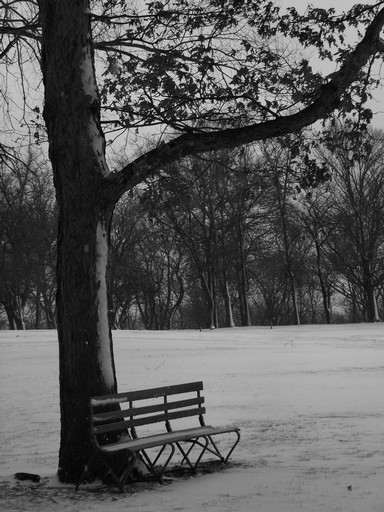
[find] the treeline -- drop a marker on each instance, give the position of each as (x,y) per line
(256,236)
(27,244)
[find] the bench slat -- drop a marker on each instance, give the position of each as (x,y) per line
(146,393)
(168,437)
(146,420)
(148,409)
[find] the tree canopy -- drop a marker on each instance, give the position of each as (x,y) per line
(191,68)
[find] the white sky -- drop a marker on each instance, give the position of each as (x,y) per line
(377,104)
(339,5)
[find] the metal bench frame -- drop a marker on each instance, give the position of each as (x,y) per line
(121,416)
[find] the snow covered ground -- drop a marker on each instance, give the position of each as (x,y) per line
(309,401)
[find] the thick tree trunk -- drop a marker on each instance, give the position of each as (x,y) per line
(85,345)
(76,149)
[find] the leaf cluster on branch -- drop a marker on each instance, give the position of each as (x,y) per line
(208,65)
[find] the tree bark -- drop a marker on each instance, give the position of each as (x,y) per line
(372,311)
(243,282)
(227,301)
(76,150)
(325,297)
(14,309)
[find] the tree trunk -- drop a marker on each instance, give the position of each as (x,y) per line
(14,309)
(228,303)
(211,299)
(292,282)
(178,302)
(324,291)
(281,192)
(325,299)
(77,153)
(86,357)
(11,317)
(37,308)
(372,309)
(49,311)
(243,283)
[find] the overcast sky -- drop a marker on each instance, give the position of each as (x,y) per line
(377,105)
(339,5)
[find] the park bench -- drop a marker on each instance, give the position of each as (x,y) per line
(157,418)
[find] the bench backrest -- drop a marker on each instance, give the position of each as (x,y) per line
(133,409)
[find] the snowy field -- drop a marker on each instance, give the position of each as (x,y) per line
(309,401)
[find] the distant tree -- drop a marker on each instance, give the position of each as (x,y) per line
(277,159)
(122,271)
(268,274)
(160,277)
(186,205)
(315,217)
(357,240)
(27,243)
(214,206)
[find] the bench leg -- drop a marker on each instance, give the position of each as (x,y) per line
(233,447)
(209,445)
(216,451)
(104,459)
(151,464)
(185,453)
(111,471)
(85,471)
(127,471)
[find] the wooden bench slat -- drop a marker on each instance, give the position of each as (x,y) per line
(165,438)
(143,394)
(147,420)
(137,411)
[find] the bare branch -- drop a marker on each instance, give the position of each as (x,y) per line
(325,101)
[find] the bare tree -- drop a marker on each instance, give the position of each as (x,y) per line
(357,239)
(27,242)
(314,215)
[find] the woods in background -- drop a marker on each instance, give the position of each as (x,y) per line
(215,244)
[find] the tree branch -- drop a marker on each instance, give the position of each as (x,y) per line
(325,101)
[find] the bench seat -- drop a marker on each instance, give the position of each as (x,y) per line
(166,438)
